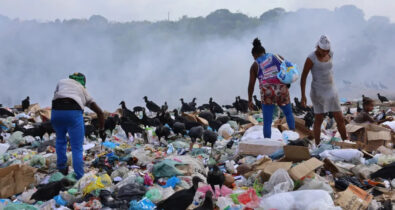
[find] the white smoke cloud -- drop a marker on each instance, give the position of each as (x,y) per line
(126,61)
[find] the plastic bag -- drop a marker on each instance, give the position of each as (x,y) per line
(279,182)
(225,130)
(347,155)
(225,191)
(249,199)
(303,199)
(288,72)
(172,182)
(143,204)
(20,206)
(154,194)
(316,184)
(17,138)
(59,200)
(290,135)
(99,183)
(227,203)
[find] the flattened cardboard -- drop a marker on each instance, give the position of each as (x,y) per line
(295,153)
(190,117)
(379,135)
(252,120)
(267,167)
(305,168)
(248,148)
(328,165)
(14,179)
(201,120)
(346,145)
(354,198)
(274,166)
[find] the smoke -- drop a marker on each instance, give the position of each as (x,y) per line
(194,57)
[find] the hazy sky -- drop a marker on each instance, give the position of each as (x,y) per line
(126,10)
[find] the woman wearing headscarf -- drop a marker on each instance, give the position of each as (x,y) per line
(323,93)
(68,104)
(273,92)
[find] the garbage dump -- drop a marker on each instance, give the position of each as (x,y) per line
(160,160)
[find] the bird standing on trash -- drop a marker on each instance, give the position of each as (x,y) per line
(382,98)
(25,103)
(215,177)
(68,104)
(180,200)
(153,107)
(208,202)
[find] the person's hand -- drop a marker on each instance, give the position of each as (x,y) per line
(303,101)
(250,105)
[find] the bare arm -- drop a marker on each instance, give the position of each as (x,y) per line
(251,84)
(99,113)
(306,69)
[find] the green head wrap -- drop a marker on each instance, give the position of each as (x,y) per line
(79,77)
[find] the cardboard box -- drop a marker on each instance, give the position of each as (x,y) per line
(350,145)
(14,179)
(305,168)
(354,198)
(257,148)
(295,153)
(372,136)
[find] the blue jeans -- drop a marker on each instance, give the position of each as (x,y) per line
(72,122)
(267,111)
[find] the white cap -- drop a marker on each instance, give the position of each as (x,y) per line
(324,43)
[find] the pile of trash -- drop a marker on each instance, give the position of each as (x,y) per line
(157,167)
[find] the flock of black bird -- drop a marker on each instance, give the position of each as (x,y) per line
(165,124)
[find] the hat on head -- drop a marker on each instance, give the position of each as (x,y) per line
(79,77)
(324,43)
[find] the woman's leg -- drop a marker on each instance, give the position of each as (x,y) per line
(76,132)
(267,111)
(341,127)
(60,127)
(318,119)
(287,110)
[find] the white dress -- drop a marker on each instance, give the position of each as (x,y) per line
(323,93)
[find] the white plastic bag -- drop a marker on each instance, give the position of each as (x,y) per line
(289,135)
(225,130)
(317,183)
(303,199)
(279,182)
(347,155)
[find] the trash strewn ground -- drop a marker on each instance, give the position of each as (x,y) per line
(153,167)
